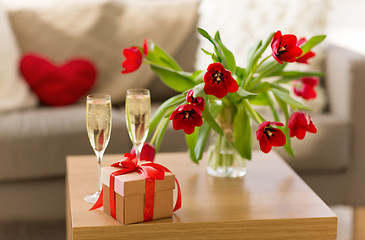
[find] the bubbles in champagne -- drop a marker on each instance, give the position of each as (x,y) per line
(138,117)
(98,119)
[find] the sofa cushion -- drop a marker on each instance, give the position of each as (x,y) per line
(14,92)
(329,150)
(34,143)
(100,30)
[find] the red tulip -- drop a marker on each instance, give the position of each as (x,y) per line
(219,81)
(305,57)
(145,47)
(305,87)
(269,136)
(147,153)
(284,47)
(198,101)
(186,117)
(300,123)
(133,58)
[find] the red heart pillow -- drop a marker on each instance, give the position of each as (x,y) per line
(58,85)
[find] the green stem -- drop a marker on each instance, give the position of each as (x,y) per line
(247,80)
(263,60)
(155,134)
(262,75)
(253,112)
(218,156)
(254,71)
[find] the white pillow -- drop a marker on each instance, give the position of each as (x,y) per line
(14,91)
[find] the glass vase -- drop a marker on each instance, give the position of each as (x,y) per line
(223,158)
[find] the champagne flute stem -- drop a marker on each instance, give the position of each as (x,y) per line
(99,157)
(138,152)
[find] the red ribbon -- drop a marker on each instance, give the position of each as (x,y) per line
(151,172)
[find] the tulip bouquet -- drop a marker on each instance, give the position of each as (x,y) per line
(221,99)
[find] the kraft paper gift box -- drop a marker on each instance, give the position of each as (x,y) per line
(130,190)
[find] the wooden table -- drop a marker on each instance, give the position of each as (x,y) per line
(270,202)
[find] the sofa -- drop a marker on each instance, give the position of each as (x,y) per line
(35,140)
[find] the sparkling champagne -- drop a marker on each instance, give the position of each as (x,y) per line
(98,121)
(138,110)
(98,124)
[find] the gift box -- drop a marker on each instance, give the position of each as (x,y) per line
(130,196)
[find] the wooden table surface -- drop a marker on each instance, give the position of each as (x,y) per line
(270,202)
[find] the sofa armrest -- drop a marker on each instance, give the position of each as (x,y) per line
(345,73)
(345,79)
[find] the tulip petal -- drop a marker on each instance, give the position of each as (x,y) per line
(311,128)
(300,123)
(265,145)
(278,138)
(218,81)
(261,129)
(300,134)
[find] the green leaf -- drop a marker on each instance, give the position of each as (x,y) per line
(159,57)
(228,55)
(312,42)
(251,53)
(191,142)
(164,124)
(176,103)
(223,54)
(206,52)
(242,132)
(161,111)
(215,108)
(253,114)
(284,107)
(262,49)
(199,90)
(292,75)
(240,72)
(211,121)
(277,86)
(217,49)
(260,100)
(195,74)
(270,68)
(261,87)
(288,148)
(214,57)
(289,100)
(243,93)
(199,78)
(283,80)
(206,35)
(179,81)
(203,135)
(272,106)
(266,86)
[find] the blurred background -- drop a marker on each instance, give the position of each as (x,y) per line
(38,130)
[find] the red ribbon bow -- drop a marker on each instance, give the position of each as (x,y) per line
(150,171)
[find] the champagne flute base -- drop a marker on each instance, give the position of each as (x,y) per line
(92,198)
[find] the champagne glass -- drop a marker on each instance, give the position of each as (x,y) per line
(138,111)
(98,122)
